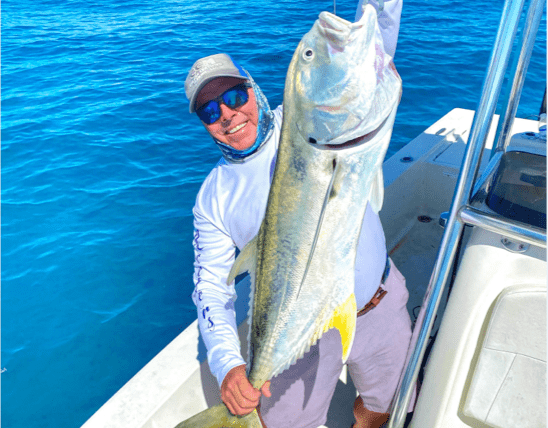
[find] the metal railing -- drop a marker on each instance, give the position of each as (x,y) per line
(532,23)
(461,212)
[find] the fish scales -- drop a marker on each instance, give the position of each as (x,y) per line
(340,100)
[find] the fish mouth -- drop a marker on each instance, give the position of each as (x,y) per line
(330,109)
(358,141)
(336,29)
(333,22)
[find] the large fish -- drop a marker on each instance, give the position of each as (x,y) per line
(340,100)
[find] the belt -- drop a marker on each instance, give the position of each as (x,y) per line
(379,294)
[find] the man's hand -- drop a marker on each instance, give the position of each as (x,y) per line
(238,394)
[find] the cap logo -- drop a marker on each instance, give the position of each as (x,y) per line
(204,66)
(208,68)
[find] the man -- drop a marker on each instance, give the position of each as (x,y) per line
(228,213)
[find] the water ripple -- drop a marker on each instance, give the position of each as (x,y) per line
(101,163)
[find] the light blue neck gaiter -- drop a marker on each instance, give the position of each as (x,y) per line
(265,126)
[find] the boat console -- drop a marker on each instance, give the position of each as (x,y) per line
(518,188)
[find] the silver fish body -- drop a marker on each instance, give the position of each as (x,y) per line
(340,100)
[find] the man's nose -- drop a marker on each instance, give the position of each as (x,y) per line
(226,112)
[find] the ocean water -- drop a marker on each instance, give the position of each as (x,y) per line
(101,162)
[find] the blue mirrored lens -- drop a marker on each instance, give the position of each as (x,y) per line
(235,97)
(210,112)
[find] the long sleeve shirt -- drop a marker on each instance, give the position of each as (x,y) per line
(228,213)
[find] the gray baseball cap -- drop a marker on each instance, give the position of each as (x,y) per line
(208,68)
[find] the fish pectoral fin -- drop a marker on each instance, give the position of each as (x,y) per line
(218,416)
(377,192)
(344,320)
(245,261)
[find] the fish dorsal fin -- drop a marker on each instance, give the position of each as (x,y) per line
(245,262)
(377,192)
(344,320)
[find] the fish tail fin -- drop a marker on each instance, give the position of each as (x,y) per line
(218,416)
(344,320)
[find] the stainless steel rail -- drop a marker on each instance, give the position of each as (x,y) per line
(453,232)
(532,22)
(498,224)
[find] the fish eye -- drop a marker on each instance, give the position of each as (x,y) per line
(308,54)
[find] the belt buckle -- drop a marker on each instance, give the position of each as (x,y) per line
(379,294)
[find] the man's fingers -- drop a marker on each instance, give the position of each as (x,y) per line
(239,405)
(241,398)
(248,392)
(265,389)
(230,407)
(247,397)
(239,395)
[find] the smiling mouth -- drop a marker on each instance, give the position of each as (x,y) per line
(237,128)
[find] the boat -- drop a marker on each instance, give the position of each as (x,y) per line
(465,222)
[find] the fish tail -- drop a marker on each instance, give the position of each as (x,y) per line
(218,416)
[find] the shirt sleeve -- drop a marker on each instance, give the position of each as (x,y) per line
(389,22)
(214,254)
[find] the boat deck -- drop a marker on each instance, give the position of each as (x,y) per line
(419,185)
(417,193)
(414,255)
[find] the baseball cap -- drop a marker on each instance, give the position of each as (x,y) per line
(208,68)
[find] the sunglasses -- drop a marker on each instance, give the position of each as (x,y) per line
(234,97)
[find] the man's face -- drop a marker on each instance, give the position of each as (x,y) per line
(236,127)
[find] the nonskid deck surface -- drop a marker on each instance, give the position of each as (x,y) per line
(414,256)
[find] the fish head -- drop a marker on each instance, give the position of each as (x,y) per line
(341,85)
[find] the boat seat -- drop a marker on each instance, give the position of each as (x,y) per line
(508,387)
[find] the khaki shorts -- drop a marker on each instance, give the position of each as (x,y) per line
(301,395)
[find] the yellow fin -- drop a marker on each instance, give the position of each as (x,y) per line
(344,320)
(245,261)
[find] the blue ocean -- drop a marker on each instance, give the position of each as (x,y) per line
(101,163)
